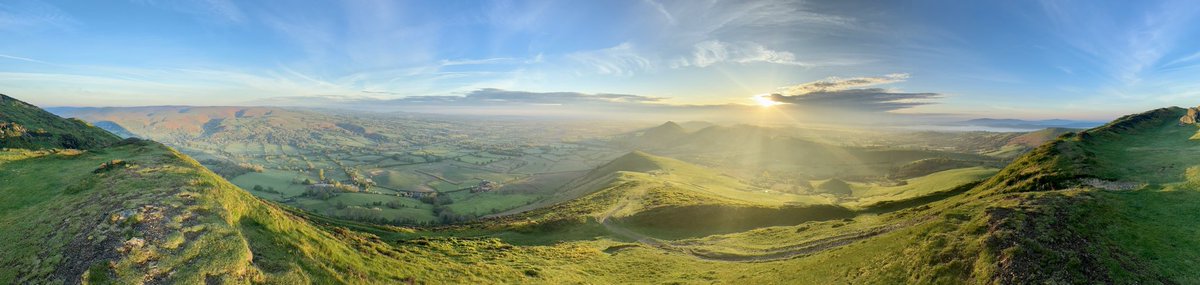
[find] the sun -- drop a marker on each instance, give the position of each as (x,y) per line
(764,100)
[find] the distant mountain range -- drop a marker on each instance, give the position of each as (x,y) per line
(1029,124)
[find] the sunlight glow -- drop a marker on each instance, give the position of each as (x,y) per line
(765,100)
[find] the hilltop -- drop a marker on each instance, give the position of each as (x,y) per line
(663,135)
(26,126)
(1100,206)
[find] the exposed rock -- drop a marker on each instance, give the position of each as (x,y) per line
(131,245)
(1111,185)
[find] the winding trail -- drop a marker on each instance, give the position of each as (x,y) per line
(800,249)
(627,200)
(780,253)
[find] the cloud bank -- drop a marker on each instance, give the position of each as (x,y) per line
(494,96)
(850,94)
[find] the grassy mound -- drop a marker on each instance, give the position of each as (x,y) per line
(929,166)
(834,186)
(27,127)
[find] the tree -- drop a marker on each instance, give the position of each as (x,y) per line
(321,174)
(258,188)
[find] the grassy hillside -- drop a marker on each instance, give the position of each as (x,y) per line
(1039,137)
(664,198)
(274,151)
(159,216)
(28,127)
(1110,205)
(1104,206)
(748,151)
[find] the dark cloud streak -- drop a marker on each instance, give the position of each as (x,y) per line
(850,94)
(867,99)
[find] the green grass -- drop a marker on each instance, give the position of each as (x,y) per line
(201,228)
(399,179)
(484,203)
(284,182)
(28,127)
(922,186)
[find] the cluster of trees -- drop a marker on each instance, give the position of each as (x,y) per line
(394,204)
(326,191)
(373,213)
(507,152)
(229,169)
(320,193)
(450,217)
(268,189)
(360,180)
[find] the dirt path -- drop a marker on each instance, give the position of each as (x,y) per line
(625,202)
(796,250)
(781,253)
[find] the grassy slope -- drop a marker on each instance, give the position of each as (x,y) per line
(37,129)
(922,186)
(671,199)
(197,227)
(662,182)
(1032,223)
(1035,223)
(1036,138)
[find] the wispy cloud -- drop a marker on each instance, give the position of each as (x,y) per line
(26,59)
(1125,44)
(32,15)
(661,10)
(706,34)
(713,52)
(214,11)
(621,60)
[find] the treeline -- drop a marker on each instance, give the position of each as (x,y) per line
(230,169)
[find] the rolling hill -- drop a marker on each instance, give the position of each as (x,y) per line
(666,198)
(187,126)
(25,126)
(751,150)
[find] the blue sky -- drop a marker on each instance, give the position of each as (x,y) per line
(1022,59)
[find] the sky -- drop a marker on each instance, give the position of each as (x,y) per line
(1085,60)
